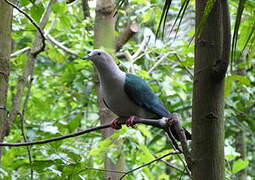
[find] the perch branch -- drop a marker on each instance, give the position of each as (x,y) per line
(57,138)
(159,123)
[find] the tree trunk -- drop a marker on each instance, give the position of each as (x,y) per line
(5,51)
(240,135)
(105,37)
(241,148)
(211,61)
(85,8)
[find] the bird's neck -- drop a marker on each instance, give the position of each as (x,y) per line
(109,71)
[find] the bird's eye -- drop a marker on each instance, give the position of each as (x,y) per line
(98,54)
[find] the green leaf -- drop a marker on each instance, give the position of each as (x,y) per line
(103,147)
(146,156)
(74,123)
(228,85)
(40,165)
(144,74)
(24,2)
(71,169)
(73,156)
(60,8)
(145,131)
(241,79)
(36,12)
(239,165)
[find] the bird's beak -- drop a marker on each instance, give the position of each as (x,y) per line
(88,57)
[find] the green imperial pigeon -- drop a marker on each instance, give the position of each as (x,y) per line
(127,95)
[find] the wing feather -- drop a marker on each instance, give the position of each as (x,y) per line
(139,92)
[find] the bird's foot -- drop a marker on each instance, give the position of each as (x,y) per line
(130,122)
(173,120)
(115,124)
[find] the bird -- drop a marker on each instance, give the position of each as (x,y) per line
(127,95)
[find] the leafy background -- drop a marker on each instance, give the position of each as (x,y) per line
(63,96)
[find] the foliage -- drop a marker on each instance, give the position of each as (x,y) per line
(63,95)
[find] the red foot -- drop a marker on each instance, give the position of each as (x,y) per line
(130,122)
(115,124)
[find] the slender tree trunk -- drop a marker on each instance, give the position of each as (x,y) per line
(212,48)
(241,148)
(105,38)
(85,8)
(5,50)
(240,135)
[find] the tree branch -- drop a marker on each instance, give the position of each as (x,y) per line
(35,53)
(149,163)
(60,45)
(57,138)
(220,66)
(162,123)
(127,34)
(137,55)
(176,168)
(22,122)
(21,51)
(183,140)
(37,47)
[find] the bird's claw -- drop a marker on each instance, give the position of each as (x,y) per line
(172,120)
(115,124)
(130,122)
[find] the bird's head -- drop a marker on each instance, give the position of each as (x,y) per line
(98,56)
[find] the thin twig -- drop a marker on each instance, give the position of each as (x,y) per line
(147,164)
(21,51)
(159,61)
(60,45)
(172,139)
(57,138)
(176,147)
(35,53)
(171,166)
(105,170)
(141,49)
(23,123)
(187,69)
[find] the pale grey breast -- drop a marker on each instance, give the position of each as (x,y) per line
(118,101)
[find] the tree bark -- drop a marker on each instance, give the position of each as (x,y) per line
(105,38)
(212,48)
(5,51)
